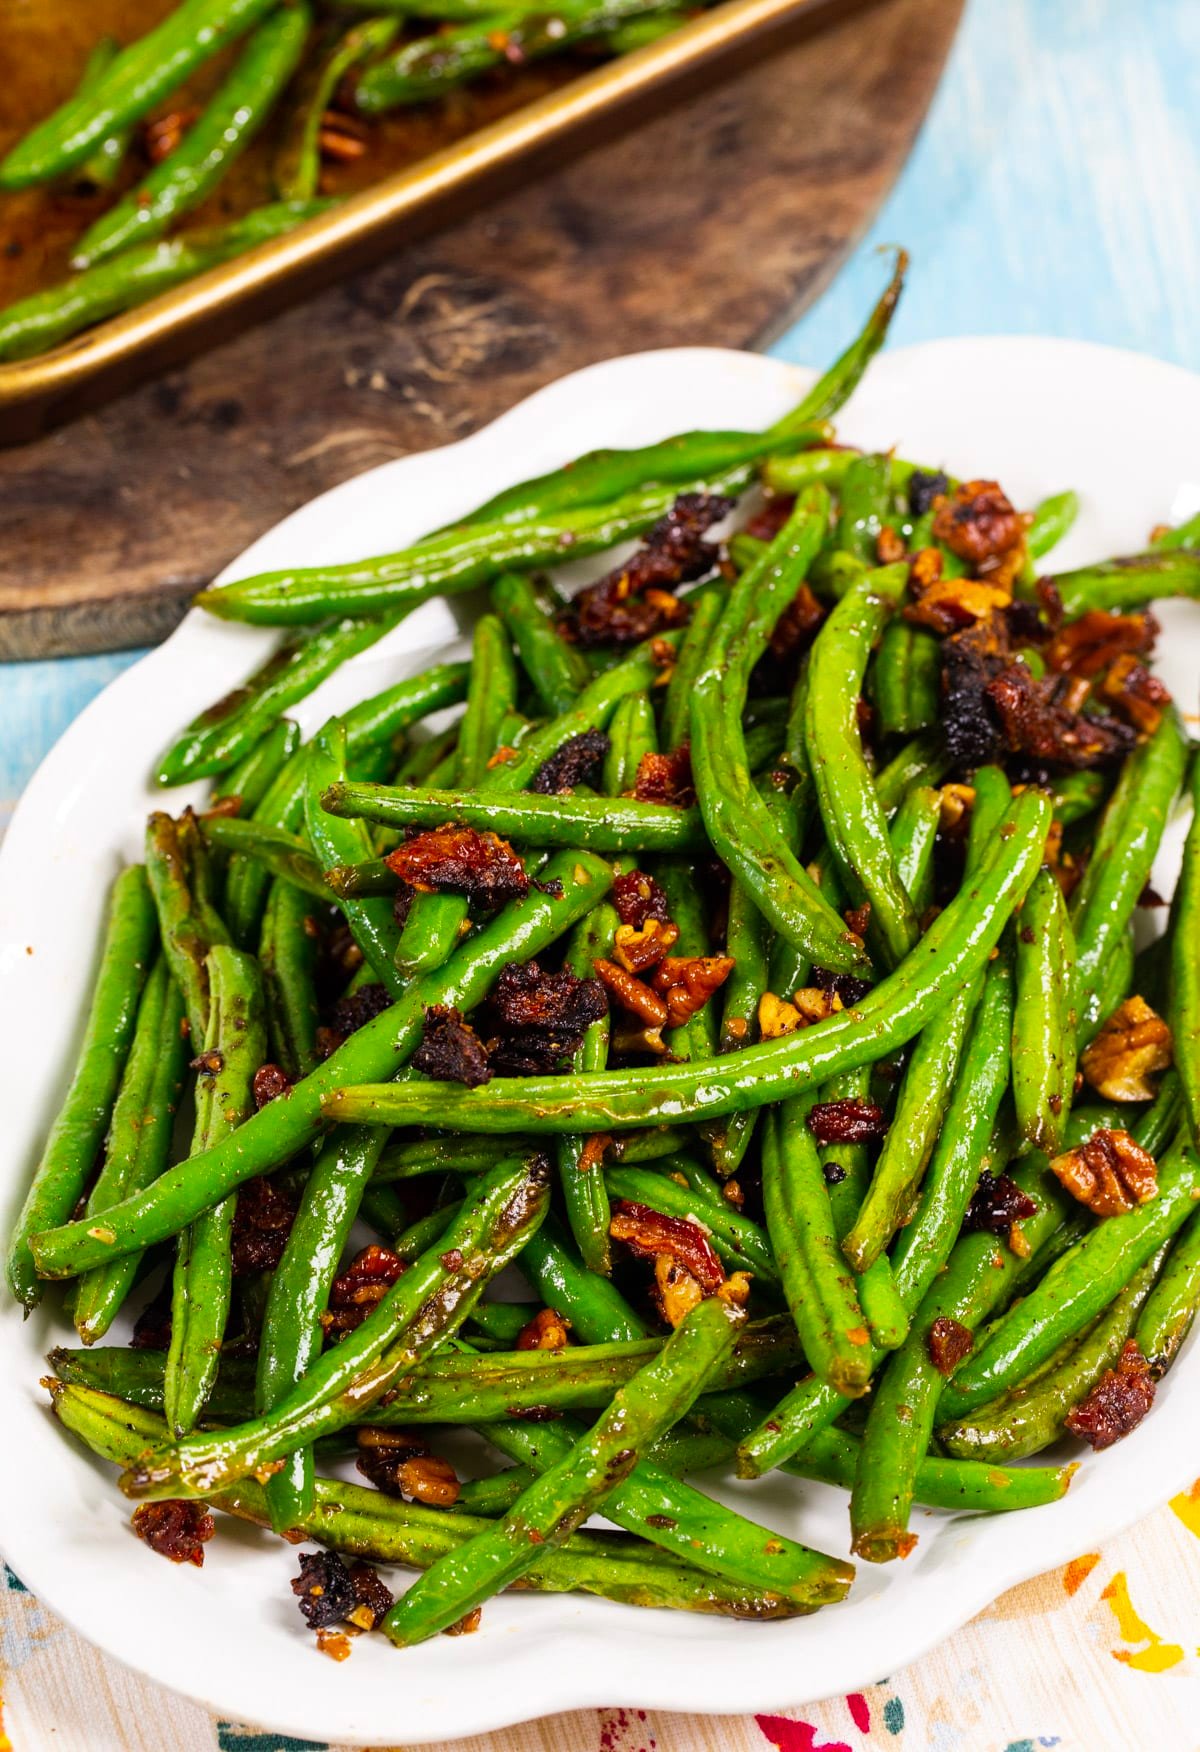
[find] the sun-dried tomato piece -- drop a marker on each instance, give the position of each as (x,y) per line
(635,600)
(1117,1403)
(577,762)
(924,489)
(996,1205)
(1034,721)
(1110,1173)
(176,1530)
(1133,1046)
(845,986)
(261,1225)
(797,624)
(979,524)
(538,1019)
(360,1288)
(636,950)
(771,516)
(357,1008)
(160,137)
(269,1083)
(666,778)
(949,1342)
(631,993)
(548,1330)
(401,1465)
(324,1589)
(649,1233)
(1139,697)
(1088,645)
(373,1599)
(450,1049)
(467,1625)
(846,1122)
(686,983)
(637,898)
(460,860)
(152,1328)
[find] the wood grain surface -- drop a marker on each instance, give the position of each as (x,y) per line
(711,223)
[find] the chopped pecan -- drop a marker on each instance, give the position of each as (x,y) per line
(334,1644)
(666,778)
(538,1018)
(161,136)
(949,1342)
(632,994)
(577,762)
(450,1050)
(996,1205)
(1034,721)
(797,624)
(1133,1045)
(777,1016)
(649,1233)
(176,1530)
(1088,645)
(1138,696)
(400,1464)
(846,1122)
(262,1223)
(460,860)
(947,604)
(637,950)
(687,982)
(858,919)
(1117,1403)
(548,1330)
(924,489)
(924,569)
(324,1589)
(957,802)
(635,600)
(269,1083)
(978,523)
(1110,1173)
(889,547)
(360,1288)
(637,898)
(341,137)
(467,1625)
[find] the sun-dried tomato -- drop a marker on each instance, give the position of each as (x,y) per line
(160,137)
(979,524)
(666,778)
(1117,1403)
(360,1288)
(577,762)
(176,1530)
(924,489)
(846,1122)
(269,1083)
(771,516)
(848,988)
(450,1050)
(357,1008)
(949,1342)
(797,624)
(635,600)
(401,1465)
(152,1328)
(1088,645)
(1034,721)
(460,860)
(536,1020)
(373,1599)
(324,1589)
(649,1233)
(996,1205)
(548,1330)
(638,897)
(686,983)
(1132,1046)
(1139,697)
(261,1225)
(1110,1172)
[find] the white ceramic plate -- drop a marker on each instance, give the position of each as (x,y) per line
(1037,415)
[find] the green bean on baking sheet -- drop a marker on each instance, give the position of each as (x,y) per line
(723,955)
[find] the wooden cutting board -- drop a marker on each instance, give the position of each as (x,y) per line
(711,223)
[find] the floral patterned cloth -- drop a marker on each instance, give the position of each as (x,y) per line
(1100,1656)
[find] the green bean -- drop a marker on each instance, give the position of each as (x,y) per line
(1170,1308)
(746,943)
(598,1312)
(1129,583)
(296,169)
(585,1196)
(739,823)
(838,384)
(557,670)
(383,1210)
(1184,535)
(681,1520)
(834,1457)
(740,1243)
(866,491)
(820,1292)
(292,1335)
(102,167)
(371,920)
(907,679)
(1051,522)
(443,564)
(249,781)
(438,1155)
(504,1322)
(609,824)
(288,958)
(632,733)
(1043,1040)
(562,1498)
(379,1049)
(425,1305)
(923,761)
(180,874)
(1032,1416)
(882,1307)
(913,836)
(75,1137)
(1078,1286)
(285,855)
(235,1045)
(853,816)
(187,175)
(1076,795)
(491,695)
(952,951)
(42,320)
(139,76)
(706,608)
(1184,1008)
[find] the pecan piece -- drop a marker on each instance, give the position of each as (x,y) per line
(460,860)
(949,1342)
(979,524)
(360,1288)
(637,950)
(777,1016)
(450,1050)
(1117,1403)
(638,898)
(175,1529)
(666,778)
(1110,1173)
(846,1122)
(946,604)
(632,994)
(1133,1045)
(401,1465)
(797,624)
(548,1330)
(635,600)
(577,762)
(1138,696)
(261,1225)
(687,982)
(1088,645)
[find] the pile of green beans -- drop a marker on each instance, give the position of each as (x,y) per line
(796,1193)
